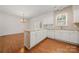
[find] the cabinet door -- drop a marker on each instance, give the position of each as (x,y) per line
(48,18)
(36,37)
(76,14)
(40,36)
(58,34)
(74,37)
(61,35)
(32,39)
(51,34)
(65,35)
(68,36)
(71,36)
(45,33)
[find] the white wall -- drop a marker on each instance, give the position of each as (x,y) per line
(46,18)
(9,24)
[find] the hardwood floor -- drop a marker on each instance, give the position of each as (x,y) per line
(15,44)
(53,46)
(11,43)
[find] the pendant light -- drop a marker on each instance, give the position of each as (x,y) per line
(23,20)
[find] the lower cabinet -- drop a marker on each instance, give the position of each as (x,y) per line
(34,37)
(62,35)
(58,35)
(74,37)
(27,39)
(68,36)
(51,34)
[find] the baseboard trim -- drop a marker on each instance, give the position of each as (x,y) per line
(11,34)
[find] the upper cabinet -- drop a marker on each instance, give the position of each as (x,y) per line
(48,18)
(76,14)
(44,21)
(47,21)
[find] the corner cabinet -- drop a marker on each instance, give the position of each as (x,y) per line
(76,13)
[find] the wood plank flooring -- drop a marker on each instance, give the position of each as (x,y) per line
(11,43)
(15,44)
(53,46)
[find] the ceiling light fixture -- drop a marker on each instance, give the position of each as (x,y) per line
(23,20)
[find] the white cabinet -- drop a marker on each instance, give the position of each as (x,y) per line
(51,34)
(48,18)
(46,32)
(26,39)
(32,39)
(58,35)
(66,35)
(74,37)
(71,36)
(76,13)
(39,36)
(36,37)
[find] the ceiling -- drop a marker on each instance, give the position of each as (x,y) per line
(29,11)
